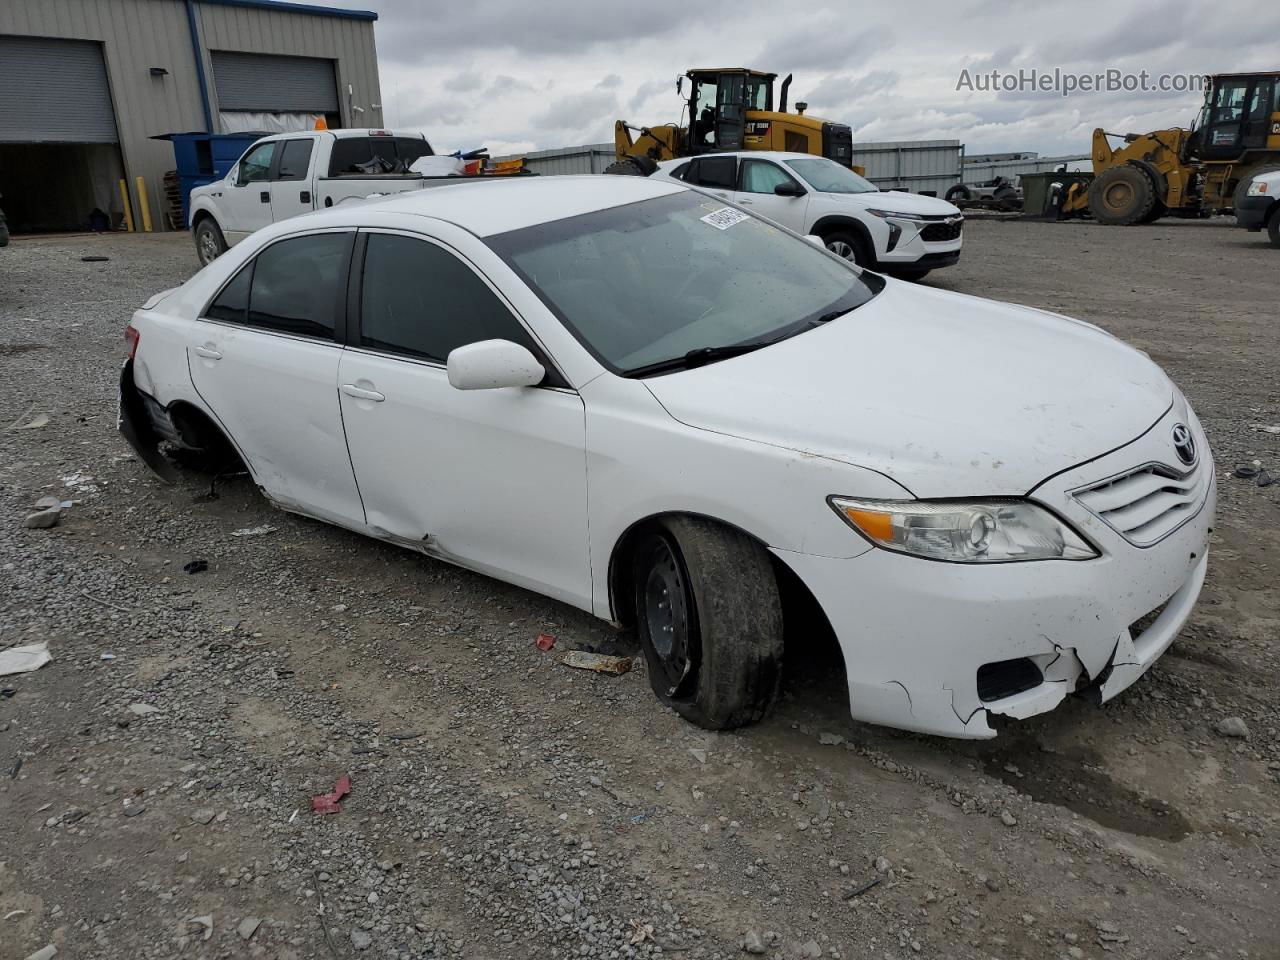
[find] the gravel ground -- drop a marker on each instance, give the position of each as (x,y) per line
(160,768)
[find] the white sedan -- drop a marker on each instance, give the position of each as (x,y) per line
(630,397)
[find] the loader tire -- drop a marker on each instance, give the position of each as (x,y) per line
(1121,196)
(631,167)
(958,194)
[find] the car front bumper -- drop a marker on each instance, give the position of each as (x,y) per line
(912,250)
(916,633)
(1252,212)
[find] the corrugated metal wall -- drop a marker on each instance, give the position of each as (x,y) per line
(979,172)
(589,158)
(139,34)
(917,166)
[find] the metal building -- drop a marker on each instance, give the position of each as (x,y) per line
(86,84)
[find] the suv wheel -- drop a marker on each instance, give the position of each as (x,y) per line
(709,618)
(850,247)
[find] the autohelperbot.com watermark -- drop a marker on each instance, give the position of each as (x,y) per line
(1065,82)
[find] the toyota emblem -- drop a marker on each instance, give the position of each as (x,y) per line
(1184,443)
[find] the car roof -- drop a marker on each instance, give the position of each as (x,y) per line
(746,155)
(499,205)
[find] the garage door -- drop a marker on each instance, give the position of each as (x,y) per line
(257,82)
(54,91)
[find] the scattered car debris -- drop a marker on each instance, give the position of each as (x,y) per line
(17,766)
(134,809)
(406,736)
(1273,428)
(204,816)
(328,802)
(95,259)
(1247,471)
(259,531)
(248,927)
(583,660)
(35,423)
(24,659)
(205,921)
(862,888)
(640,932)
(545,642)
(697,754)
(44,953)
(142,709)
(195,566)
(14,914)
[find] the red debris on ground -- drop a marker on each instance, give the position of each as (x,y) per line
(545,642)
(328,802)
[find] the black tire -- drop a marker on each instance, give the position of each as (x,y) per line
(1158,210)
(910,273)
(1121,196)
(958,192)
(1242,188)
(210,244)
(850,246)
(631,167)
(4,231)
(709,619)
(1006,198)
(1273,226)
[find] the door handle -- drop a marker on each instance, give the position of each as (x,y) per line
(208,352)
(360,393)
(265,196)
(304,196)
(745,203)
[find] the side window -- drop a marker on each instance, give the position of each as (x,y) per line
(295,159)
(409,149)
(361,156)
(256,164)
(759,176)
(299,285)
(682,171)
(717,172)
(419,299)
(233,302)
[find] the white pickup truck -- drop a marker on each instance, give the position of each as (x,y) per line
(287,174)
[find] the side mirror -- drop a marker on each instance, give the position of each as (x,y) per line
(816,240)
(789,189)
(490,364)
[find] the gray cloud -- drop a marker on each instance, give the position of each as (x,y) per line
(824,43)
(609,82)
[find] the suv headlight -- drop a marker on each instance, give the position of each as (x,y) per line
(964,531)
(893,214)
(1258,189)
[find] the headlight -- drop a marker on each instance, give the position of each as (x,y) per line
(1258,189)
(964,531)
(887,214)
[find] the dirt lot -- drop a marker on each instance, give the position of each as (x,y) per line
(504,806)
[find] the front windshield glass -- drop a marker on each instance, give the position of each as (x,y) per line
(827,176)
(650,282)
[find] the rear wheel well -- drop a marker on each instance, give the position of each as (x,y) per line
(205,445)
(802,615)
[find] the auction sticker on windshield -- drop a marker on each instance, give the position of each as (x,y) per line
(724,218)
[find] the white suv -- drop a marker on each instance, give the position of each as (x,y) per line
(903,234)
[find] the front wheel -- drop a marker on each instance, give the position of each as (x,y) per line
(210,244)
(910,273)
(709,617)
(1273,227)
(849,247)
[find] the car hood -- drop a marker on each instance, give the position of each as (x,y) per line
(950,395)
(898,202)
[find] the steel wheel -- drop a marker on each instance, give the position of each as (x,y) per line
(209,242)
(666,609)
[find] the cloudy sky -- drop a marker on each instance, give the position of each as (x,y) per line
(532,74)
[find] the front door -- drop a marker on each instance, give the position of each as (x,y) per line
(492,479)
(264,358)
(247,199)
(757,182)
(292,177)
(731,111)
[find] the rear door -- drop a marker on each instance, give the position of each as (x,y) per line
(291,178)
(264,358)
(757,180)
(718,174)
(247,201)
(492,479)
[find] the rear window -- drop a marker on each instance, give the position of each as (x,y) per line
(370,156)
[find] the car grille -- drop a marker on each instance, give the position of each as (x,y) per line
(1147,504)
(942,232)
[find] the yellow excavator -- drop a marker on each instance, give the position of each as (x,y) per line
(1186,173)
(729,108)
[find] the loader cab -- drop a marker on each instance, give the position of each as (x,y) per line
(718,105)
(1241,112)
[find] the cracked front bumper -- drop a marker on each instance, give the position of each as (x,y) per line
(915,633)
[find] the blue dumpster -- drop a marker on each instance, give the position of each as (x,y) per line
(202,158)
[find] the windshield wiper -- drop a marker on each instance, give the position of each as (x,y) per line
(698,357)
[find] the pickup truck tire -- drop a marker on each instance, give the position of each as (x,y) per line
(709,618)
(210,244)
(1273,226)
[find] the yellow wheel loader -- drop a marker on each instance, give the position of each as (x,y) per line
(730,108)
(1187,173)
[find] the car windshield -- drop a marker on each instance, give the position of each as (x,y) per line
(827,176)
(679,280)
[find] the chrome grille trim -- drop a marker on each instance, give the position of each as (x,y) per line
(1146,504)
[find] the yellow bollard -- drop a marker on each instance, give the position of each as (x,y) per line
(128,211)
(143,206)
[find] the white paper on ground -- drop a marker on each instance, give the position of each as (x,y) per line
(24,659)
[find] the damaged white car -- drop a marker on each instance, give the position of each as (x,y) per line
(627,396)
